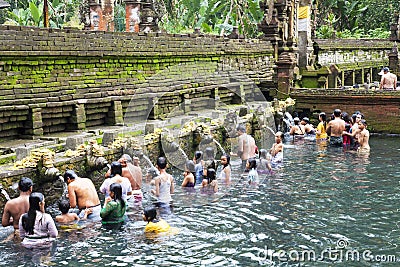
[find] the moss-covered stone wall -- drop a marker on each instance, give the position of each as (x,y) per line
(59,80)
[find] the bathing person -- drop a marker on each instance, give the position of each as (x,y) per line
(116,177)
(113,211)
(297,130)
(225,174)
(209,160)
(82,194)
(320,133)
(252,175)
(210,182)
(388,80)
(363,138)
(347,140)
(14,208)
(276,151)
(164,182)
(133,173)
(335,129)
(308,127)
(246,145)
(67,217)
(189,174)
(37,227)
(154,225)
(263,164)
(199,166)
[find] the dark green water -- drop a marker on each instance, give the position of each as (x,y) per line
(322,200)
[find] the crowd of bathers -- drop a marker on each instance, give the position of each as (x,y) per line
(339,130)
(122,186)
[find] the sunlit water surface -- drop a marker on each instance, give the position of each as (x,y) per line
(321,200)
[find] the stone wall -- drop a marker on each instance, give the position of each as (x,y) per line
(61,80)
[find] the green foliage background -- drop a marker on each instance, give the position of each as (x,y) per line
(340,18)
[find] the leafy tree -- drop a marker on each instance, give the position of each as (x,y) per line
(212,16)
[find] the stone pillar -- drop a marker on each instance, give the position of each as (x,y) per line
(395,27)
(108,14)
(96,17)
(132,15)
(37,123)
(148,17)
(304,33)
(79,116)
(394,63)
(115,114)
(286,64)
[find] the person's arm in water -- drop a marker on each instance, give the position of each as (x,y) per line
(87,212)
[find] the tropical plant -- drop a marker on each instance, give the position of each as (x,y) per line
(212,16)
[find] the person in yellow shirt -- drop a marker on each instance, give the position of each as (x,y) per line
(155,225)
(321,128)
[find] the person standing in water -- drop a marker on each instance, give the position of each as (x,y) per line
(164,183)
(335,129)
(225,173)
(320,133)
(246,145)
(82,194)
(14,208)
(37,227)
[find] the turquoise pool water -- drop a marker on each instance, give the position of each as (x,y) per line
(325,207)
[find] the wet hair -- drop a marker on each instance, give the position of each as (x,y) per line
(241,128)
(116,168)
(346,117)
(198,155)
(228,160)
(210,175)
(190,167)
(162,163)
(153,172)
(306,119)
(150,213)
(116,188)
(70,174)
(296,121)
(64,206)
(364,122)
(337,112)
(263,153)
(209,152)
(127,158)
(252,163)
(28,219)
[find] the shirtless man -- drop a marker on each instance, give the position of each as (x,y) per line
(335,129)
(388,80)
(134,174)
(82,193)
(363,138)
(14,208)
(246,146)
